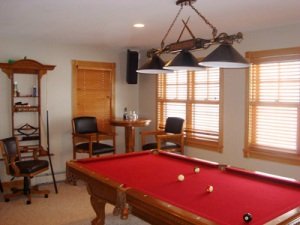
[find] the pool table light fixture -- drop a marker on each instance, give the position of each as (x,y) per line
(224,56)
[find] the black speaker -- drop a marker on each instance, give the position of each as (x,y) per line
(132,65)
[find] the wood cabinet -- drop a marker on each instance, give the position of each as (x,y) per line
(25,76)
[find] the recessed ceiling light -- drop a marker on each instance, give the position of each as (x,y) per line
(138,25)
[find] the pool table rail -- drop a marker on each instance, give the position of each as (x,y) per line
(158,212)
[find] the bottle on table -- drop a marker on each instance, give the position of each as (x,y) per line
(134,115)
(125,114)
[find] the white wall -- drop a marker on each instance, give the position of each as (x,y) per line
(234,103)
(56,86)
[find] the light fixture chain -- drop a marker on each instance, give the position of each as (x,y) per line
(215,31)
(162,44)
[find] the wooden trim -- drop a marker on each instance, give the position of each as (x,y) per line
(25,66)
(271,155)
(91,65)
(252,55)
(221,112)
(247,95)
(74,84)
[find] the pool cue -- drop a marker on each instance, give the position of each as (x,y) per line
(49,156)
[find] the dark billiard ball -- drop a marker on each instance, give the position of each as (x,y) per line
(247,217)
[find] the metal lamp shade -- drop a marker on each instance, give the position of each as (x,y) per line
(153,66)
(184,61)
(225,56)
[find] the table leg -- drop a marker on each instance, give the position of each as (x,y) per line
(129,138)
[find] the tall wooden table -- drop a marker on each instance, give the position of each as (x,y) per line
(130,130)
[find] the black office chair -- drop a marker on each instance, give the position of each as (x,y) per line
(17,167)
(169,139)
(86,137)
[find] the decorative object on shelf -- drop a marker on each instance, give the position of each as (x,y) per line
(28,132)
(34,91)
(16,90)
(224,56)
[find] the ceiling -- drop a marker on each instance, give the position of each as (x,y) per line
(109,23)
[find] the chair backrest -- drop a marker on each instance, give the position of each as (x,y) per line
(174,125)
(85,124)
(9,150)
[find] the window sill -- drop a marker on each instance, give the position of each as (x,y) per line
(211,146)
(272,155)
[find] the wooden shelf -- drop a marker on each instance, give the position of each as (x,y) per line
(26,109)
(25,96)
(29,133)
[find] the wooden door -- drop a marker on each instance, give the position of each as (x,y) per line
(93,91)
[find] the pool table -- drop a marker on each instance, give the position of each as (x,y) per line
(147,185)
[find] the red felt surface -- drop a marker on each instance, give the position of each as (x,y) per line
(235,192)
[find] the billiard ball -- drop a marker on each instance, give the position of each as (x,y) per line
(210,189)
(180,177)
(196,169)
(247,217)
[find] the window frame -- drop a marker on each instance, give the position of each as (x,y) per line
(251,150)
(189,140)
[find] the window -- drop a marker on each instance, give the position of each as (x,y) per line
(196,97)
(93,91)
(273,119)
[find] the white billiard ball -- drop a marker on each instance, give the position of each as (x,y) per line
(180,177)
(196,169)
(210,189)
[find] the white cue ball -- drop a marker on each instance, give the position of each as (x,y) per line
(180,177)
(196,169)
(210,188)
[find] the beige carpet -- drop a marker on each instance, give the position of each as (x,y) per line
(71,206)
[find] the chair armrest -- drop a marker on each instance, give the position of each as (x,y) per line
(86,136)
(155,132)
(146,133)
(175,138)
(14,166)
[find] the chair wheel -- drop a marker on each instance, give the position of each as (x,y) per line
(6,199)
(28,202)
(46,195)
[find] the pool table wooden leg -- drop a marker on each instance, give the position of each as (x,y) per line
(99,207)
(122,208)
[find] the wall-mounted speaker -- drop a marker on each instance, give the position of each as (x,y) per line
(132,65)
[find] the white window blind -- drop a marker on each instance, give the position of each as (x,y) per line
(195,97)
(274,103)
